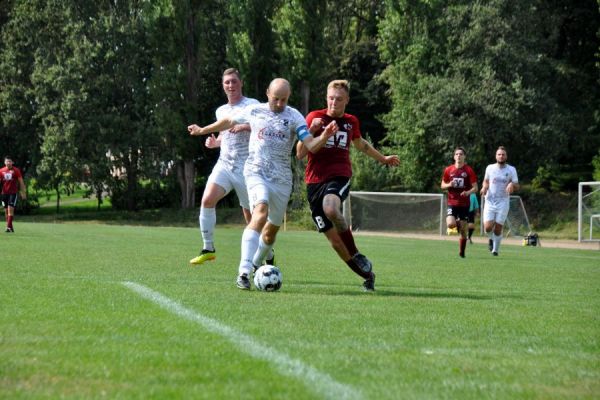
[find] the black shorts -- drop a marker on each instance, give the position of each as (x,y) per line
(471,217)
(9,200)
(316,192)
(458,212)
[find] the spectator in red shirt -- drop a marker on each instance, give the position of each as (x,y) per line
(11,179)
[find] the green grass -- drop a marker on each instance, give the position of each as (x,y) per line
(524,325)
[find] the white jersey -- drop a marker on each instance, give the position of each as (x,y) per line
(499,178)
(271,141)
(234,146)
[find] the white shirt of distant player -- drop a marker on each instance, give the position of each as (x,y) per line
(499,179)
(271,141)
(234,146)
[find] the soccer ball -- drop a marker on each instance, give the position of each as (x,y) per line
(268,278)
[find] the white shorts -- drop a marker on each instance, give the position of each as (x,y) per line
(275,195)
(496,210)
(228,181)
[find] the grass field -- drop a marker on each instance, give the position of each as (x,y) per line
(102,311)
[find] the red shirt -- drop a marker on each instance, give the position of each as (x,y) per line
(10,180)
(333,159)
(463,179)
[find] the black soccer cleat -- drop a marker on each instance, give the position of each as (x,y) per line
(271,261)
(243,282)
(495,253)
(369,284)
(9,230)
(462,254)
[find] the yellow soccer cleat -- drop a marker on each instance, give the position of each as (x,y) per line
(205,255)
(452,231)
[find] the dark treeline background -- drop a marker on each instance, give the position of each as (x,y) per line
(91,90)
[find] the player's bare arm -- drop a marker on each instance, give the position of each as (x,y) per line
(365,147)
(216,126)
(512,187)
(240,128)
(213,142)
(314,144)
(467,193)
(484,187)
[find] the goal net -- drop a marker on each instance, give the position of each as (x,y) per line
(395,212)
(517,222)
(588,210)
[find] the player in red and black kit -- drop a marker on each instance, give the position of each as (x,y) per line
(328,174)
(11,179)
(460,181)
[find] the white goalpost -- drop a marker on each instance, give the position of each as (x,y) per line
(588,212)
(396,212)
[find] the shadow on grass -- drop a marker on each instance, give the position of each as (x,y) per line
(322,288)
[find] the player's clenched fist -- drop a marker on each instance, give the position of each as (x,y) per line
(194,130)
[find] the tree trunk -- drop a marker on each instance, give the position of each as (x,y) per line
(186,176)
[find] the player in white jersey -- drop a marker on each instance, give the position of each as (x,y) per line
(227,173)
(499,183)
(274,129)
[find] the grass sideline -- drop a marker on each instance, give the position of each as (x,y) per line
(520,326)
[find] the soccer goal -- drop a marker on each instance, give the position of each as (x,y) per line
(517,222)
(588,212)
(395,212)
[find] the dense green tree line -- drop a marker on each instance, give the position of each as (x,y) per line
(101,92)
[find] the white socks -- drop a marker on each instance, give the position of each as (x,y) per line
(250,239)
(496,240)
(262,252)
(208,220)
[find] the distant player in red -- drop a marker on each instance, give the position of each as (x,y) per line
(328,174)
(11,179)
(460,181)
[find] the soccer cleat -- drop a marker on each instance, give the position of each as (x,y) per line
(271,261)
(452,231)
(9,230)
(495,253)
(369,284)
(205,255)
(363,262)
(243,282)
(490,244)
(462,254)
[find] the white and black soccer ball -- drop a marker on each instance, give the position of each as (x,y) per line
(268,278)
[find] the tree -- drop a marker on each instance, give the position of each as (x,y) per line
(484,74)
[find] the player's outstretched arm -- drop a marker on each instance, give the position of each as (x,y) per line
(216,126)
(314,144)
(365,147)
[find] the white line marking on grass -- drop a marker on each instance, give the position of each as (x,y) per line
(315,380)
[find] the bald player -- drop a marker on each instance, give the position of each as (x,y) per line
(275,127)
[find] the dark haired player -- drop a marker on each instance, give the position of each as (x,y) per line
(460,181)
(11,179)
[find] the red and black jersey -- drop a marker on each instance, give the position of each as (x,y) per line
(10,180)
(333,159)
(462,179)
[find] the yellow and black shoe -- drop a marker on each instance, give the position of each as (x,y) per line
(205,255)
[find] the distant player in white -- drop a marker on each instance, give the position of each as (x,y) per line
(275,127)
(499,183)
(228,172)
